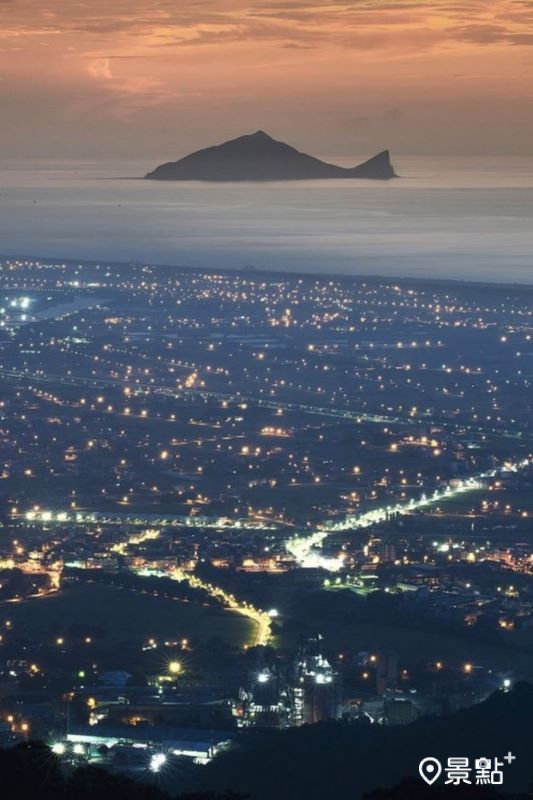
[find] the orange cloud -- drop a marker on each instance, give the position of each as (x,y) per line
(230,63)
(100,68)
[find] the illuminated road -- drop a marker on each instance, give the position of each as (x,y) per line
(93,382)
(306,549)
(262,620)
(138,519)
(298,408)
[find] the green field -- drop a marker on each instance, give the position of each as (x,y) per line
(518,499)
(126,616)
(414,645)
(417,646)
(509,651)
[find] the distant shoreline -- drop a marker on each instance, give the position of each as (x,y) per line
(252,271)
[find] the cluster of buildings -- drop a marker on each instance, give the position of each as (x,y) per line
(304,691)
(262,449)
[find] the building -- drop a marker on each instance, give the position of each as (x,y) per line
(386,672)
(316,689)
(266,702)
(199,745)
(399,711)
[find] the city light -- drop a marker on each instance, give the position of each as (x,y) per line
(157,762)
(175,549)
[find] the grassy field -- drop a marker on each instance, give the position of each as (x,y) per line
(416,646)
(413,646)
(519,500)
(126,616)
(512,651)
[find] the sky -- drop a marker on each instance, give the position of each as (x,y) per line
(150,78)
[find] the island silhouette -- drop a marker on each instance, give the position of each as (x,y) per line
(259,157)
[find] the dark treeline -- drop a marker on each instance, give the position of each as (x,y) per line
(164,587)
(414,789)
(350,760)
(30,771)
(16,583)
(258,588)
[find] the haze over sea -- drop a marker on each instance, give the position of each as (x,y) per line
(459,218)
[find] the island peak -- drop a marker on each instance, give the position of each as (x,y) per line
(259,157)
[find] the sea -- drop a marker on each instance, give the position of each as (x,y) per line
(460,218)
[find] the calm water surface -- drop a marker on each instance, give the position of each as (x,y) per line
(470,219)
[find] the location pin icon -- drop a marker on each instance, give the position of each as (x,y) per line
(430,769)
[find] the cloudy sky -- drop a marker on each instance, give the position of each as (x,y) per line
(147,78)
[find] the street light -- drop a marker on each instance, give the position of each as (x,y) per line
(157,761)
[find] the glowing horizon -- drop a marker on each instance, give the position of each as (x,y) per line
(141,77)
